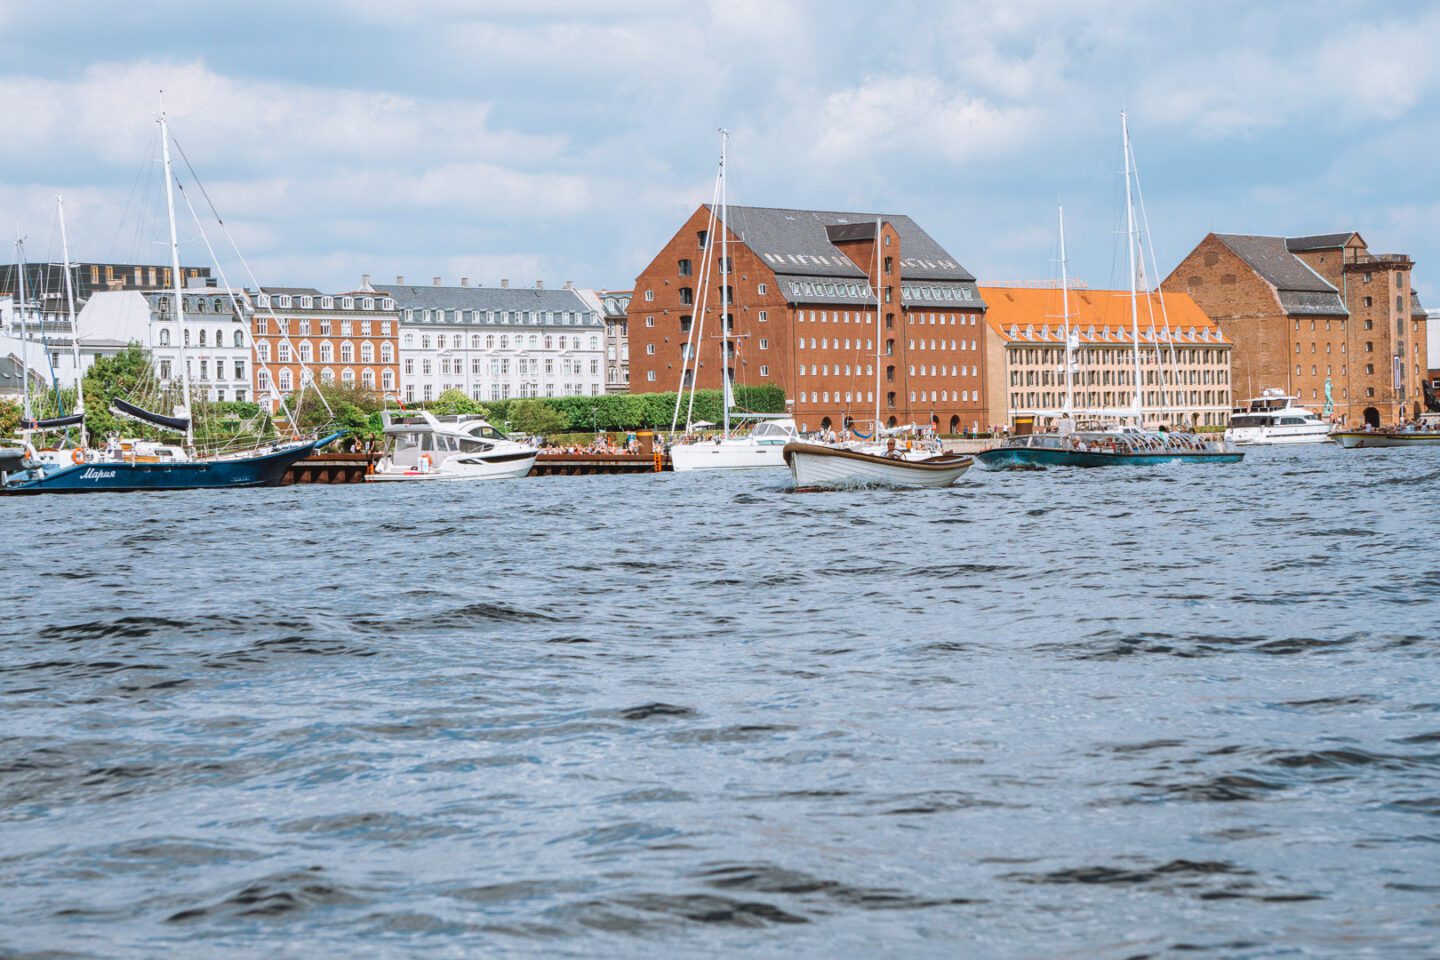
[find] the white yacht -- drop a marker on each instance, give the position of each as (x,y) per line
(422,446)
(763,446)
(1275,417)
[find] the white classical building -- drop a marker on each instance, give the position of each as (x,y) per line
(215,339)
(494,343)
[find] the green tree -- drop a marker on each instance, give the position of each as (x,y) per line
(351,407)
(453,402)
(536,417)
(125,375)
(10,413)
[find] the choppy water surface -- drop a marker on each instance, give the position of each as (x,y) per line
(1185,711)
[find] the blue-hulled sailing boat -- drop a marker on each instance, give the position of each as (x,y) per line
(153,466)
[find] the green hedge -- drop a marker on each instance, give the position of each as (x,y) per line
(636,411)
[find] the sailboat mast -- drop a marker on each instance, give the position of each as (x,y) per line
(74,329)
(1065,301)
(724,288)
(24,328)
(876,429)
(175,277)
(1134,294)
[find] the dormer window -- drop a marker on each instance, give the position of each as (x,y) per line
(367,303)
(327,303)
(283,300)
(306,303)
(347,303)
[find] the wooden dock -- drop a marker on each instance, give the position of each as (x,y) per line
(591,464)
(326,467)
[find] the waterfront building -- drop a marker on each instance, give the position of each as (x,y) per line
(803,316)
(1184,358)
(45,282)
(494,343)
(215,338)
(614,309)
(304,336)
(1314,316)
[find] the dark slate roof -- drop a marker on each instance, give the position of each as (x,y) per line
(799,242)
(1417,312)
(1320,241)
(10,378)
(486,298)
(292,291)
(1300,289)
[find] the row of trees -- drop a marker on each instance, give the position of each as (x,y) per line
(128,374)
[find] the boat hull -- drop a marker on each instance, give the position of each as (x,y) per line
(726,455)
(830,468)
(1265,436)
(1356,439)
(1009,458)
(510,467)
(127,477)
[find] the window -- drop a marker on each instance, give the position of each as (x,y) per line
(649,296)
(649,321)
(367,352)
(239,369)
(687,295)
(684,268)
(239,339)
(764,343)
(282,352)
(650,375)
(347,353)
(761,289)
(763,317)
(764,370)
(387,352)
(650,349)
(701,236)
(164,337)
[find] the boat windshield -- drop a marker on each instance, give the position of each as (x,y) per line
(483,429)
(776,430)
(1250,421)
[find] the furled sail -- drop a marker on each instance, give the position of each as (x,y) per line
(122,409)
(54,423)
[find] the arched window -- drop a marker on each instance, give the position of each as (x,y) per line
(504,343)
(263,380)
(200,306)
(474,344)
(327,352)
(347,353)
(202,336)
(219,306)
(367,352)
(219,337)
(425,342)
(164,337)
(347,376)
(490,343)
(440,342)
(409,339)
(306,353)
(367,379)
(327,375)
(262,350)
(387,351)
(387,379)
(239,338)
(285,381)
(549,341)
(282,352)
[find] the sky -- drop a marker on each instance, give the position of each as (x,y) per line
(565,140)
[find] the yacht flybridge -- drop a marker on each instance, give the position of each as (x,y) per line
(1275,417)
(423,446)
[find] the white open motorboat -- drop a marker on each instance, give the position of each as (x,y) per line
(422,446)
(763,446)
(818,466)
(1275,417)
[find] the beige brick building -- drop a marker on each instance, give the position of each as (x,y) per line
(1311,313)
(1185,359)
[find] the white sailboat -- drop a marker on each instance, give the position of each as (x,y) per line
(884,463)
(764,445)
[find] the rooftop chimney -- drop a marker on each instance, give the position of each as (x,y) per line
(539,284)
(504,283)
(569,284)
(464,281)
(400,280)
(436,281)
(364,281)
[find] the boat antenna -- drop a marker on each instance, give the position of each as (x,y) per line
(24,328)
(1065,307)
(1134,295)
(74,326)
(724,289)
(175,272)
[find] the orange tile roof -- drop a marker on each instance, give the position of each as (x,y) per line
(1024,314)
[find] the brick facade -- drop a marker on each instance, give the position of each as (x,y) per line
(303,335)
(806,322)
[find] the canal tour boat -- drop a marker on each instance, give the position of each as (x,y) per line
(1116,443)
(423,446)
(1426,433)
(818,466)
(764,446)
(1106,448)
(1273,418)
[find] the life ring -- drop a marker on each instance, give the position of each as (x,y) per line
(77,456)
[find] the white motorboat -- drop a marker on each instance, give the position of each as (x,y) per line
(763,446)
(1275,417)
(422,446)
(817,466)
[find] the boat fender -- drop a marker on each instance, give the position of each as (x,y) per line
(425,463)
(77,456)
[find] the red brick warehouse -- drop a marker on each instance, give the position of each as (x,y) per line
(803,317)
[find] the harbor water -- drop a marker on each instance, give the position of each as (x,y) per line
(1191,710)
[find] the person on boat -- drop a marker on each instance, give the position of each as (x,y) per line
(892,451)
